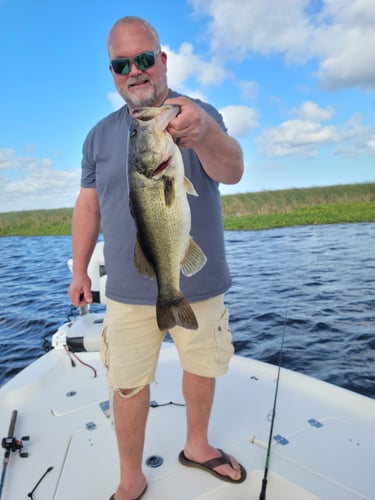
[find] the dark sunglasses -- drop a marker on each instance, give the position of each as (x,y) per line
(122,65)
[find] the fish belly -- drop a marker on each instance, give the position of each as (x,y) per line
(163,235)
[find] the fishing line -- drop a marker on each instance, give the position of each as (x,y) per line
(262,495)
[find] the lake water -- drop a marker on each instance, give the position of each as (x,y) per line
(314,284)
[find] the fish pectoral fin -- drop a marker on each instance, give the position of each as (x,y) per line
(142,264)
(169,191)
(177,311)
(189,188)
(194,259)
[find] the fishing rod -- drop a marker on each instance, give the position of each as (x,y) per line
(10,443)
(262,495)
(7,444)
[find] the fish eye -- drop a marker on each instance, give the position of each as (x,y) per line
(133,132)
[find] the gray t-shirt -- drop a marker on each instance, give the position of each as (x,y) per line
(104,168)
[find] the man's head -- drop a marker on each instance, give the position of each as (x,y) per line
(141,81)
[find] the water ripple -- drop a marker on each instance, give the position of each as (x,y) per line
(315,285)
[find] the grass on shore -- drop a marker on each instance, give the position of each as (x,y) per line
(261,210)
(291,207)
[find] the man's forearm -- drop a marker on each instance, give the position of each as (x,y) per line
(85,231)
(220,154)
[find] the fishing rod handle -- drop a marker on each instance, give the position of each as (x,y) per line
(12,424)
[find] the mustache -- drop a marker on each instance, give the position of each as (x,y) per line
(139,79)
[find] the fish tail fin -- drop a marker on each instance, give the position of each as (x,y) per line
(178,311)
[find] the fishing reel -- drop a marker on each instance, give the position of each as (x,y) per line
(11,444)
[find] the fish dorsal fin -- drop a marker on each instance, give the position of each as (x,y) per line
(189,188)
(194,259)
(142,264)
(169,191)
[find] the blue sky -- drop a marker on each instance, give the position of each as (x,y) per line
(294,80)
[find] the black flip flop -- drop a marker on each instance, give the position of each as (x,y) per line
(211,464)
(138,498)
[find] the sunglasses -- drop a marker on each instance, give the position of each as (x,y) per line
(122,65)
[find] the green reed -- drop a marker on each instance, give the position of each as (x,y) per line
(261,210)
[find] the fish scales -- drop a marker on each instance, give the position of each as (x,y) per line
(158,201)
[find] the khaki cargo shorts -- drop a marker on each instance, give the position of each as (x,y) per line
(132,341)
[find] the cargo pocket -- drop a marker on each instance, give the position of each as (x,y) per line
(223,340)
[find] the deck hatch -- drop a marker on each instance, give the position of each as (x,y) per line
(315,423)
(281,439)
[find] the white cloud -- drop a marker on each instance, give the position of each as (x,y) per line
(249,89)
(185,65)
(305,135)
(266,27)
(116,100)
(344,41)
(30,148)
(240,120)
(302,136)
(356,139)
(296,138)
(29,183)
(8,159)
(340,34)
(313,112)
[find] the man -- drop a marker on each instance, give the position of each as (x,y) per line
(210,157)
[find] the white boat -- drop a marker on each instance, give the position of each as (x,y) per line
(322,444)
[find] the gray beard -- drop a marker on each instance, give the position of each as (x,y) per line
(146,98)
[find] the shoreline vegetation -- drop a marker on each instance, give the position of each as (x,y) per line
(248,211)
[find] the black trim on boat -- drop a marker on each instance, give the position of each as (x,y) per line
(76,344)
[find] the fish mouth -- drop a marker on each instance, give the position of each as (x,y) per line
(159,116)
(163,166)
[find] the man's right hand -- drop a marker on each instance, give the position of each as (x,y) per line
(80,290)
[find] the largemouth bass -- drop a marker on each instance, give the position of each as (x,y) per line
(158,202)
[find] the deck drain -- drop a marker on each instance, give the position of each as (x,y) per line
(91,426)
(154,461)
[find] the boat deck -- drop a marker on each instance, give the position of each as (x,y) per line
(323,434)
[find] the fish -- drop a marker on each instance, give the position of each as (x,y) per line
(158,202)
